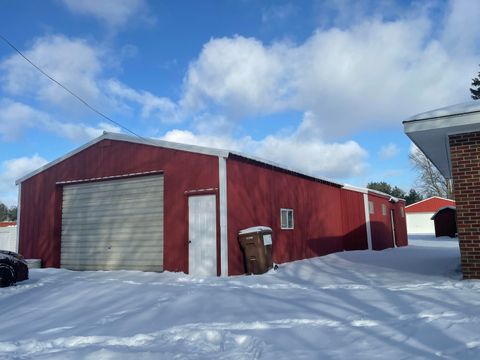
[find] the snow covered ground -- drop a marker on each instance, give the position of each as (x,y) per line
(406,303)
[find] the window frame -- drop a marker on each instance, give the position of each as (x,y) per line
(371,208)
(384,210)
(286,226)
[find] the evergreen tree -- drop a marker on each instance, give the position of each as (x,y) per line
(475,91)
(412,197)
(3,212)
(387,189)
(12,213)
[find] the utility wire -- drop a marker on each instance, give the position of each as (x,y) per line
(84,102)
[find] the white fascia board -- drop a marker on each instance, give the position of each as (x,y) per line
(168,144)
(127,138)
(430,198)
(367,222)
(355,188)
(370,191)
(222,180)
(457,109)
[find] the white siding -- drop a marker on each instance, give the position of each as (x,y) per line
(115,224)
(8,238)
(420,223)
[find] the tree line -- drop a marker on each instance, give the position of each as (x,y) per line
(8,214)
(430,182)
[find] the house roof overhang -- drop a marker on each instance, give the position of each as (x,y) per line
(430,131)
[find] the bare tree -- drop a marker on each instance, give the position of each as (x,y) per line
(430,181)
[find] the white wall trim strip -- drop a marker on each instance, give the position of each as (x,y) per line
(19,206)
(222,173)
(367,221)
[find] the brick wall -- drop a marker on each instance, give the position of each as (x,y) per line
(465,156)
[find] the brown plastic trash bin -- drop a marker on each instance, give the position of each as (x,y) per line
(256,243)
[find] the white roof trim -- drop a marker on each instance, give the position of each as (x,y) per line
(355,188)
(431,197)
(165,144)
(127,138)
(371,191)
(452,110)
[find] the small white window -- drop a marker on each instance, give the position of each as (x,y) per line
(370,207)
(384,210)
(286,218)
(402,212)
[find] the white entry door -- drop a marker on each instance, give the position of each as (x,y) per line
(202,235)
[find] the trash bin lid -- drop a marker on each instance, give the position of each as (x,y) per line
(254,229)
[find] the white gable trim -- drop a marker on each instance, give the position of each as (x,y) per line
(127,138)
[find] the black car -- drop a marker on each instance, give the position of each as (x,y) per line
(13,268)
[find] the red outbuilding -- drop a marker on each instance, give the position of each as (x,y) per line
(121,202)
(445,220)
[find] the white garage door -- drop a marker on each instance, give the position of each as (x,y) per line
(114,224)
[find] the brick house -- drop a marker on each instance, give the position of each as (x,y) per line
(450,138)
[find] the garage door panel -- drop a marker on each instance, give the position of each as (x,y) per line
(111,266)
(103,230)
(104,197)
(118,184)
(98,257)
(104,204)
(113,216)
(92,237)
(114,224)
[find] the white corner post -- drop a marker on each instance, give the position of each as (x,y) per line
(367,221)
(222,173)
(18,215)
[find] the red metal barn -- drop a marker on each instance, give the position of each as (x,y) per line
(121,202)
(387,221)
(384,219)
(445,220)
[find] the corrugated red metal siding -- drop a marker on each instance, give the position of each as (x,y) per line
(445,223)
(183,171)
(429,205)
(255,196)
(381,225)
(353,220)
(401,236)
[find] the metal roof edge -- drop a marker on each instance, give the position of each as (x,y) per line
(128,138)
(371,191)
(170,145)
(431,197)
(465,108)
(167,144)
(284,168)
(355,188)
(60,159)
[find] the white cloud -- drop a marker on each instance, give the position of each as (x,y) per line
(151,105)
(14,169)
(308,155)
(73,62)
(239,75)
(113,13)
(16,118)
(374,73)
(388,151)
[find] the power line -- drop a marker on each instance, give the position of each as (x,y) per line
(84,102)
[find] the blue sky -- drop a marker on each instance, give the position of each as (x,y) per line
(319,86)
